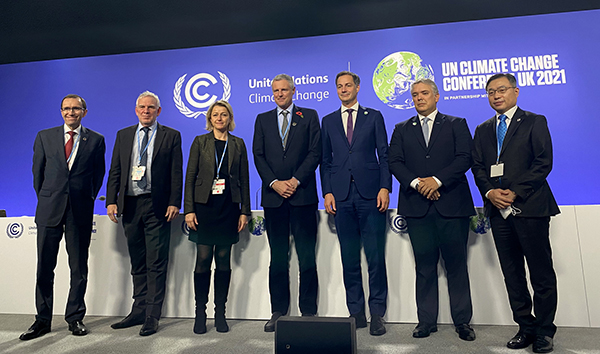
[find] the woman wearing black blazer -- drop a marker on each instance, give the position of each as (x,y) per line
(217,207)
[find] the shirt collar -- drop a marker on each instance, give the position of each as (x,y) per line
(289,109)
(354,107)
(152,127)
(509,114)
(67,129)
(431,116)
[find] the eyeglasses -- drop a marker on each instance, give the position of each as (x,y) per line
(74,109)
(501,90)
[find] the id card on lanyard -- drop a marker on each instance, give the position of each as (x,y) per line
(218,185)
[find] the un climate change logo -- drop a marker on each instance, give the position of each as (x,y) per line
(194,95)
(394,75)
(14,230)
(398,224)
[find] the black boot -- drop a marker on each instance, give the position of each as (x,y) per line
(222,279)
(201,287)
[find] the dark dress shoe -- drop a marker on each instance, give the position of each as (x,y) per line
(465,332)
(78,328)
(543,344)
(129,321)
(150,326)
(360,319)
(270,325)
(377,326)
(424,330)
(37,329)
(520,341)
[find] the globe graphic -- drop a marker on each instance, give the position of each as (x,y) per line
(394,75)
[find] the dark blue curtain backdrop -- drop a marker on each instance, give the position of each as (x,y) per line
(554,57)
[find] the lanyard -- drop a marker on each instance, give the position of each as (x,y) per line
(219,163)
(74,147)
(145,147)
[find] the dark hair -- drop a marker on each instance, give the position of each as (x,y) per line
(509,77)
(83,104)
(354,77)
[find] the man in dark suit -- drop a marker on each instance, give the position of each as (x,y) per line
(68,168)
(512,158)
(356,183)
(144,186)
(429,155)
(287,151)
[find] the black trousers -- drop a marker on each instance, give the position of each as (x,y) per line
(148,237)
(518,240)
(359,224)
(77,239)
(431,236)
(301,222)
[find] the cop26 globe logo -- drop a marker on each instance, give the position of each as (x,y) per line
(14,230)
(394,75)
(199,92)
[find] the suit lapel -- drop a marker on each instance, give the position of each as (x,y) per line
(295,118)
(129,141)
(160,136)
(438,123)
(361,118)
(81,150)
(515,122)
(60,146)
(340,126)
(418,131)
(233,151)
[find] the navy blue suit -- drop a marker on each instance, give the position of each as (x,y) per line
(440,226)
(65,205)
(355,173)
(296,214)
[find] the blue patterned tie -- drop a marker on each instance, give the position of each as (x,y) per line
(501,132)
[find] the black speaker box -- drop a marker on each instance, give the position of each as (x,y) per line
(315,335)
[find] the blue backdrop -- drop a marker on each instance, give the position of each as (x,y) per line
(554,57)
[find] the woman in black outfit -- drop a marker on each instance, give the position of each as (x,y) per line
(217,207)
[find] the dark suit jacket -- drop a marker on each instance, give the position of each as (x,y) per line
(527,157)
(167,170)
(54,184)
(448,158)
(342,160)
(201,167)
(300,158)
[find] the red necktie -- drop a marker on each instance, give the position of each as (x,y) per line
(69,145)
(350,128)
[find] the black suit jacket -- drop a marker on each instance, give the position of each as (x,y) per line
(55,185)
(447,157)
(300,158)
(167,169)
(527,157)
(201,167)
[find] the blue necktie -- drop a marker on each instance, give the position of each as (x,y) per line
(501,132)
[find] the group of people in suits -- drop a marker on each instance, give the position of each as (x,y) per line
(510,157)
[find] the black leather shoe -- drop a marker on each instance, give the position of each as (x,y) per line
(360,319)
(129,321)
(308,315)
(520,341)
(424,330)
(543,344)
(37,329)
(465,332)
(78,328)
(270,325)
(377,326)
(150,326)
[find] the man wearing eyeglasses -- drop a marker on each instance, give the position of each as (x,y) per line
(144,186)
(512,158)
(68,168)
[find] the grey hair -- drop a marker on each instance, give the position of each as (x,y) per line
(287,78)
(429,82)
(146,94)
